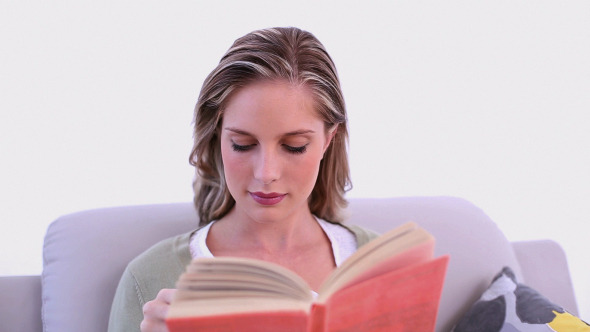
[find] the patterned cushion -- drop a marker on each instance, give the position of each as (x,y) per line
(507,306)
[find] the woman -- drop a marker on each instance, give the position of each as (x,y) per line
(272,171)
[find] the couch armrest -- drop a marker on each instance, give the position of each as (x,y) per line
(544,268)
(20,308)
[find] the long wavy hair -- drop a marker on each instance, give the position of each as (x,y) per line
(289,54)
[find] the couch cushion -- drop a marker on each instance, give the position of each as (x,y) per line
(538,257)
(85,254)
(478,249)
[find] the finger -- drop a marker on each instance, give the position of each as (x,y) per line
(155,310)
(148,325)
(166,295)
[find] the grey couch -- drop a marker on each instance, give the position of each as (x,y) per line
(85,253)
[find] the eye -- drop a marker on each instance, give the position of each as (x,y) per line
(295,149)
(241,148)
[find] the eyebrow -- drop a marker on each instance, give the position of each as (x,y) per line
(291,133)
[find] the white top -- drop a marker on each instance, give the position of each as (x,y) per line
(342,240)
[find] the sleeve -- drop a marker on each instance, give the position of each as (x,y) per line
(127,309)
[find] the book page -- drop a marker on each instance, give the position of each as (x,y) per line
(382,249)
(232,306)
(197,286)
(224,276)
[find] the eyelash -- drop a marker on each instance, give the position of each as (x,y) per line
(296,149)
(241,148)
(290,149)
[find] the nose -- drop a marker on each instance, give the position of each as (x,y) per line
(267,166)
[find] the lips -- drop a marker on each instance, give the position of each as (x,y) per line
(267,198)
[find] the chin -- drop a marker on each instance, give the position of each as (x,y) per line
(269,214)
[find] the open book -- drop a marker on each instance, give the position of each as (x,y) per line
(393,283)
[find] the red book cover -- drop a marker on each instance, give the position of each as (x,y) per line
(401,300)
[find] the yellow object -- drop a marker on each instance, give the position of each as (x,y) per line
(566,322)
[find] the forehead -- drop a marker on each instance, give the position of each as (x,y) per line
(272,106)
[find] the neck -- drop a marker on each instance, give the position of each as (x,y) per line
(269,237)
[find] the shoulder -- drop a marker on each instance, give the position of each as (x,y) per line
(161,265)
(157,268)
(362,235)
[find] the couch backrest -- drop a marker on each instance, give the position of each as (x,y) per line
(478,249)
(85,253)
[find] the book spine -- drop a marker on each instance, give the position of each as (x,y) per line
(317,318)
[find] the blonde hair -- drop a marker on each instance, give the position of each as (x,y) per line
(288,54)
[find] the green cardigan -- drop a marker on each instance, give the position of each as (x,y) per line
(159,267)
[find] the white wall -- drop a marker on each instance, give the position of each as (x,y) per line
(484,100)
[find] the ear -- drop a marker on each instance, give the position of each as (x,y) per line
(330,136)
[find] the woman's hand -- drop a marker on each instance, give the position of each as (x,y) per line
(154,312)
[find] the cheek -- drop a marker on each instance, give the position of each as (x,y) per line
(306,169)
(234,166)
